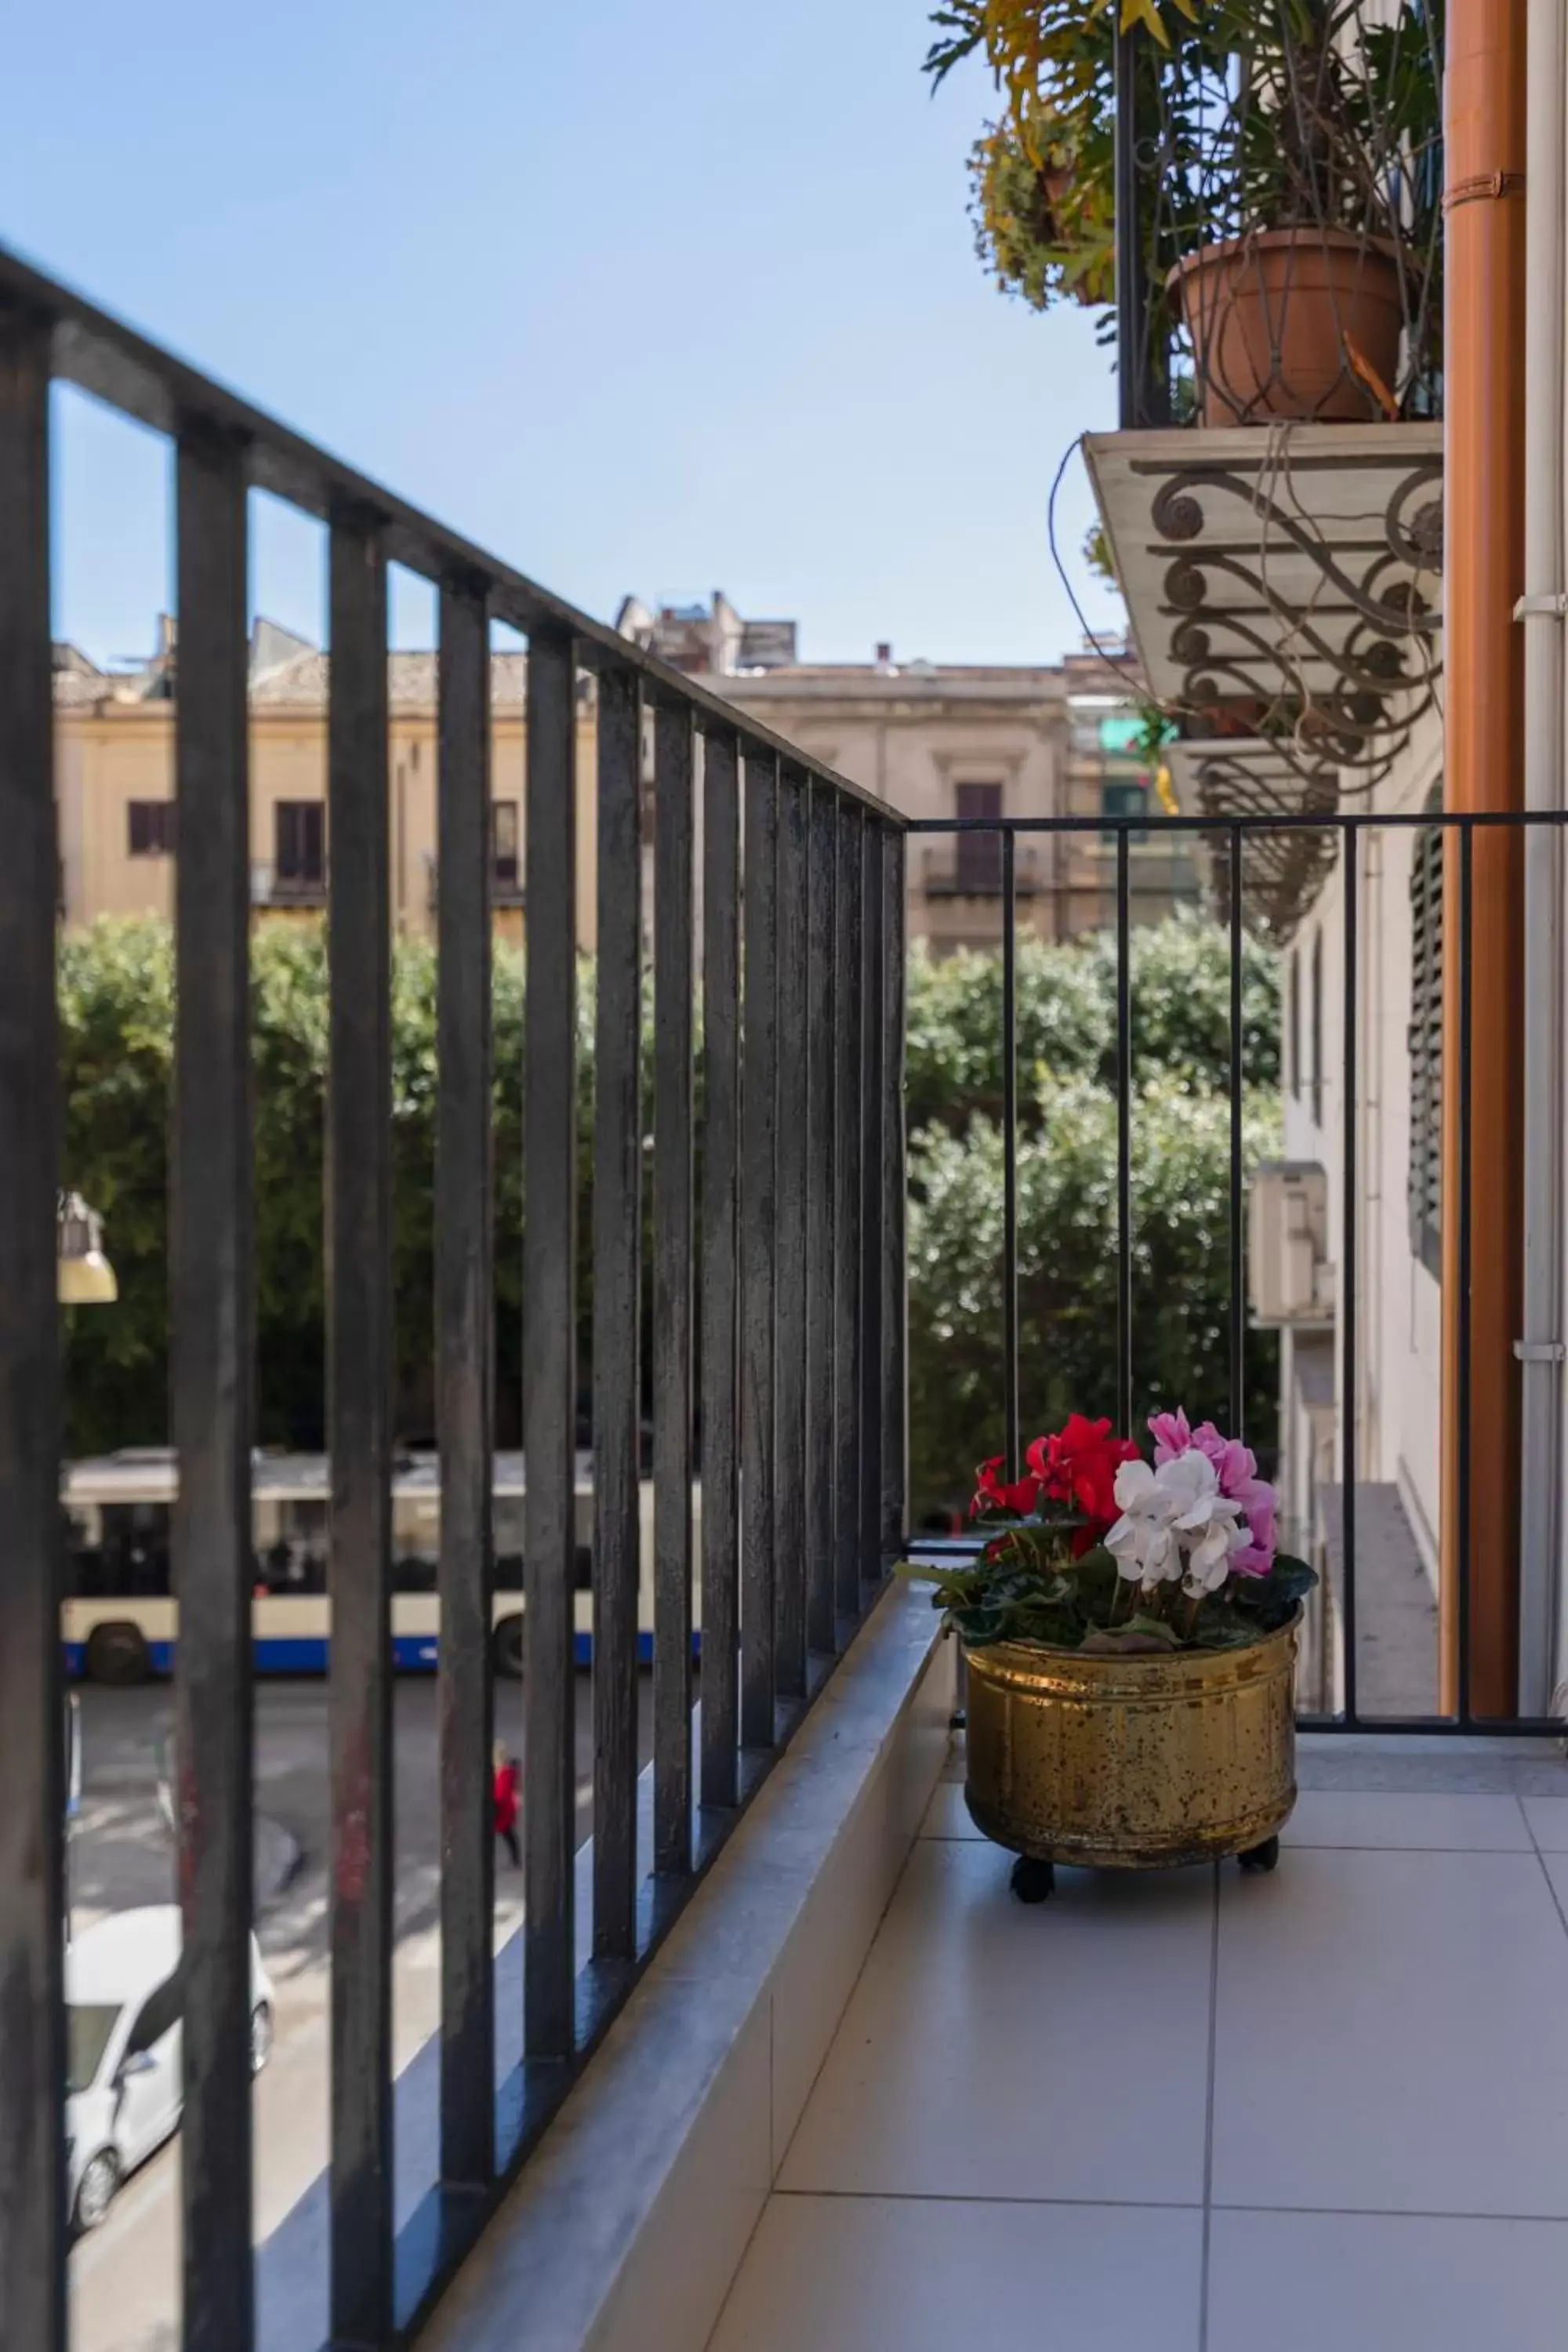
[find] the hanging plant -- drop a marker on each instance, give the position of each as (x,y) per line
(1257,118)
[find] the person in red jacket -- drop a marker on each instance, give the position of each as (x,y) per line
(508,1781)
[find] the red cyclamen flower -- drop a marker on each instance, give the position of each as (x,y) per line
(993,1494)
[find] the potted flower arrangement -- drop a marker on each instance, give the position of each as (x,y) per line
(1290,170)
(1129,1628)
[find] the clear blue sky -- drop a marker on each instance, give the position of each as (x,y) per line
(658,295)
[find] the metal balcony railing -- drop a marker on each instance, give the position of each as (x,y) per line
(778,1306)
(1244,855)
(787,1285)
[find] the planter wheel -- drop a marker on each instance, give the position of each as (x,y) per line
(1261,1857)
(1033,1880)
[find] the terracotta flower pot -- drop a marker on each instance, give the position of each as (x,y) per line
(1298,323)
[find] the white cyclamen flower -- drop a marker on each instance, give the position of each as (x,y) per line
(1209,1561)
(1174,1523)
(1143,1542)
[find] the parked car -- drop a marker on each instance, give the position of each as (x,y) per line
(124,2086)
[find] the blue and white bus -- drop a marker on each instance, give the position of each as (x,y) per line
(120,1622)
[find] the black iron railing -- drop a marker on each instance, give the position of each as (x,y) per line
(791,1270)
(1240,849)
(777,1302)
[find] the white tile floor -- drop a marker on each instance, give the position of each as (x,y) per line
(1202,2113)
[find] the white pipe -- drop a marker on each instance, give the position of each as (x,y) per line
(1543,1622)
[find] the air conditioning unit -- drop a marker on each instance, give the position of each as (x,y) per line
(1290,1279)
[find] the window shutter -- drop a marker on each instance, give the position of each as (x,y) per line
(1424,1182)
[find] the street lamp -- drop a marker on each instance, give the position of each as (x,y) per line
(85,1278)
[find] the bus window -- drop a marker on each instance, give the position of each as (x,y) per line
(131,1557)
(416,1542)
(293,1564)
(507,1525)
(84,1551)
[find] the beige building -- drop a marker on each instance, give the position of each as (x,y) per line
(944,740)
(115,770)
(937,740)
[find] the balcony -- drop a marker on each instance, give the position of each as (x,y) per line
(506,885)
(268,888)
(1301,2137)
(755,2050)
(973,868)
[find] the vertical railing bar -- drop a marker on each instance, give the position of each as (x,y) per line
(465,1348)
(210,1242)
(674,829)
(759,1246)
(1237,1205)
(792,1048)
(895,1290)
(32,1827)
(1350,853)
(617,1239)
(550,1350)
(1465,1368)
(359,1389)
(847,1336)
(821,1211)
(720,1285)
(1123,1135)
(872,1042)
(1012,1438)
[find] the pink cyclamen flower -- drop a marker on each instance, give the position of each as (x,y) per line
(1236,1467)
(1171,1434)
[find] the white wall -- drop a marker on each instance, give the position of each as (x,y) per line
(1399,1319)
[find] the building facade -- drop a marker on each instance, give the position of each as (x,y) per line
(948,741)
(938,741)
(115,766)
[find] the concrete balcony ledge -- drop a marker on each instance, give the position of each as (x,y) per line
(632,2218)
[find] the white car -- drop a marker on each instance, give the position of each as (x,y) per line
(125,2087)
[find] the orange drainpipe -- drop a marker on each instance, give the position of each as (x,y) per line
(1483,655)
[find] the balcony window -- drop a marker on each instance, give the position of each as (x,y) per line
(978,855)
(504,845)
(299,844)
(150,828)
(1127,797)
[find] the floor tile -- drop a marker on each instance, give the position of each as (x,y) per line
(995,2050)
(1393,1818)
(1557,1872)
(1548,1818)
(947,1815)
(880,2274)
(1392,2033)
(1384,2283)
(1433,1762)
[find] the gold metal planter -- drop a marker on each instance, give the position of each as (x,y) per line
(1132,1763)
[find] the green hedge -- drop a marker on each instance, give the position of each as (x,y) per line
(116,1012)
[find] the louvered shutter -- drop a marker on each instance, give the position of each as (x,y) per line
(1425,1185)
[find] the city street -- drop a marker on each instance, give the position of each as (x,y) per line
(124,2277)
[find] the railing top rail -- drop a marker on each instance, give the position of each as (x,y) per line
(106,357)
(1282,821)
